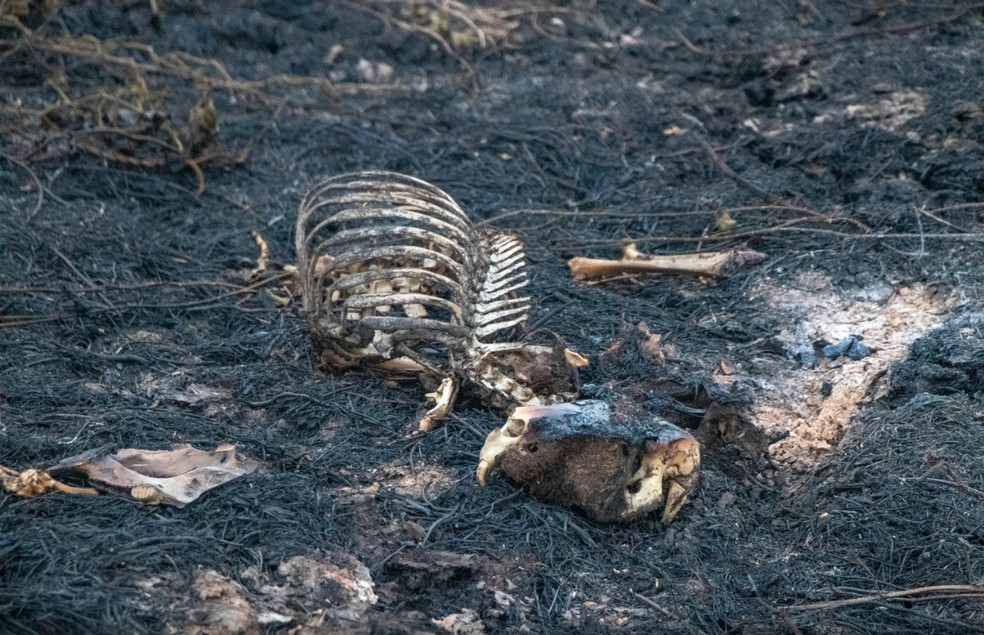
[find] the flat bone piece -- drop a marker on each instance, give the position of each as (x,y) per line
(176,477)
(711,264)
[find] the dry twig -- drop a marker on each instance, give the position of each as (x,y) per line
(925,593)
(34,177)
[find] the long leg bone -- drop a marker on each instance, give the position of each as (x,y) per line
(709,264)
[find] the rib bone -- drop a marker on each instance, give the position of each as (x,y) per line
(388,260)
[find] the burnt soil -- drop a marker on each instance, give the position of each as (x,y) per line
(845,141)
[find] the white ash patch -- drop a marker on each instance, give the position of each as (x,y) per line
(815,404)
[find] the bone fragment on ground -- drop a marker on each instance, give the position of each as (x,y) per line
(711,263)
(576,455)
(33,482)
(575,359)
(443,399)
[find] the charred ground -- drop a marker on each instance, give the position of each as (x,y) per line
(843,139)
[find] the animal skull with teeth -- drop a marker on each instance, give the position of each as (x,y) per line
(393,275)
(574,454)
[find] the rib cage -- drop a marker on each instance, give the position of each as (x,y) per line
(394,275)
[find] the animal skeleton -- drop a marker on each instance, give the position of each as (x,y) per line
(394,276)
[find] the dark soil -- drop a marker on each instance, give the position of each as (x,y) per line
(845,140)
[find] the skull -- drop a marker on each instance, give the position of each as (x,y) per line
(575,455)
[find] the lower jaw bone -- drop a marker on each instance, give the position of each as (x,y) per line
(576,455)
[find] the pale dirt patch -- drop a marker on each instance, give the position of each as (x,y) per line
(427,480)
(422,481)
(322,592)
(892,111)
(176,388)
(143,337)
(814,405)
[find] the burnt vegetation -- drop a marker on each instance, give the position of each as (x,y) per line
(151,152)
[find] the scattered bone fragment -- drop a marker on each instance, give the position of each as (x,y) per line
(575,359)
(576,455)
(708,264)
(650,345)
(339,580)
(221,607)
(443,399)
(421,568)
(174,388)
(32,482)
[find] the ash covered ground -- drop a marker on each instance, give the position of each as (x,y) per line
(843,140)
